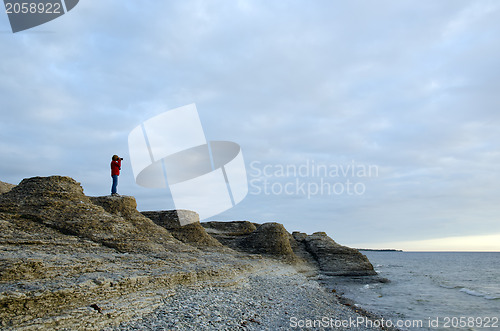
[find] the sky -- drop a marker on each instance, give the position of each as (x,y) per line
(373,121)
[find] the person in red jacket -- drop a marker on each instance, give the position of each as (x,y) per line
(116,165)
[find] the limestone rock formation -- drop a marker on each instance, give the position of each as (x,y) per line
(334,259)
(272,239)
(123,206)
(192,233)
(229,233)
(58,202)
(5,187)
(234,228)
(300,251)
(62,253)
(269,239)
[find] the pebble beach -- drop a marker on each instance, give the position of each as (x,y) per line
(276,297)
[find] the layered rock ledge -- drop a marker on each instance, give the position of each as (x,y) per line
(77,262)
(5,187)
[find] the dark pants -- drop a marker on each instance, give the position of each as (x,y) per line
(115,184)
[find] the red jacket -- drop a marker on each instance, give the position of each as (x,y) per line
(115,167)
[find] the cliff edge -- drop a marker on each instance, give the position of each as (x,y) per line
(65,258)
(272,240)
(72,261)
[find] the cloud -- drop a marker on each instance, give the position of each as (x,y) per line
(410,87)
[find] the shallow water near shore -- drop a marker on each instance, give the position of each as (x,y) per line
(430,290)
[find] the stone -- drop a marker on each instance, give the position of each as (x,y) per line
(269,239)
(184,225)
(69,261)
(61,252)
(334,259)
(123,206)
(233,228)
(173,219)
(5,187)
(59,203)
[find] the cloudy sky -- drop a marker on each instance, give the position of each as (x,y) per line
(406,89)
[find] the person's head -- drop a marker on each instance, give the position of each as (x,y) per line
(115,158)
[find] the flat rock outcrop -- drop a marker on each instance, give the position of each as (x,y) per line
(122,206)
(58,202)
(184,225)
(334,259)
(5,187)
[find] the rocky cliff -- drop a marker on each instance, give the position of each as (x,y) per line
(72,261)
(59,203)
(334,259)
(272,239)
(62,254)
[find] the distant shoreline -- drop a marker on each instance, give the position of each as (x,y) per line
(379,250)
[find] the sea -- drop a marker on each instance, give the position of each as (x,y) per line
(429,290)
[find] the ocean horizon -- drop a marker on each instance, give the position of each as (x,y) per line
(430,290)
